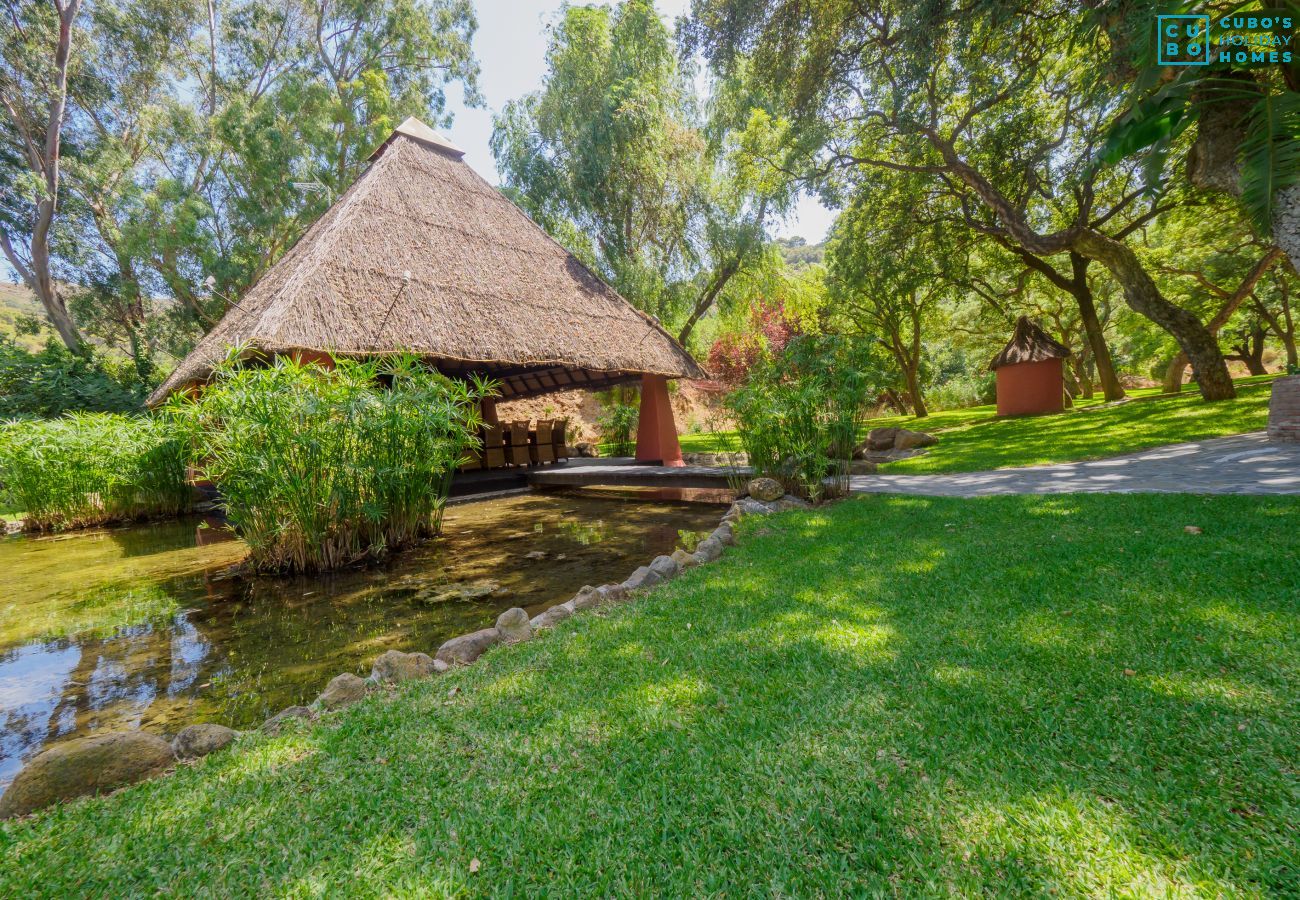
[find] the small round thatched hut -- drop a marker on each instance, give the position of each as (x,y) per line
(422,255)
(1030,372)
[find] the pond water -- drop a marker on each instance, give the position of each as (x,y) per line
(149,626)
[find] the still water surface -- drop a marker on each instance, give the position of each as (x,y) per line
(148,627)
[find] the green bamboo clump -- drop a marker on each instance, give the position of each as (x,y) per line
(86,469)
(322,467)
(799,415)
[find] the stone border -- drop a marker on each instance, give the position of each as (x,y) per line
(110,760)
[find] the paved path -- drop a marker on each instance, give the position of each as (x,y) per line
(1243,464)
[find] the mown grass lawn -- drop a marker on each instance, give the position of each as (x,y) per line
(1004,696)
(975,439)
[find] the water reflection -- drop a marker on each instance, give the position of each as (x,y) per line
(149,627)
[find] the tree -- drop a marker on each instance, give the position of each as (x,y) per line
(1246,120)
(185,196)
(36,49)
(1277,314)
(891,264)
(997,103)
(613,158)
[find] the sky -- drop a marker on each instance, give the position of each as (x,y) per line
(511,48)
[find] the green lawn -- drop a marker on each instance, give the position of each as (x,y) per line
(1006,696)
(975,439)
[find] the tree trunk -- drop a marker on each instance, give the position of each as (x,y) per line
(1111,389)
(1142,295)
(1173,382)
(1286,224)
(910,372)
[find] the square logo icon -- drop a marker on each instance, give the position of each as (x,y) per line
(1183,40)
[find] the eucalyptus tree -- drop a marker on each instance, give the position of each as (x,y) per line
(998,103)
(618,158)
(38,43)
(189,130)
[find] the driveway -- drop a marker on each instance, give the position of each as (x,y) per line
(1241,464)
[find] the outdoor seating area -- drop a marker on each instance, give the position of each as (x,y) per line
(519,444)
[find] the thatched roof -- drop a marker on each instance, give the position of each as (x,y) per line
(421,254)
(1029,344)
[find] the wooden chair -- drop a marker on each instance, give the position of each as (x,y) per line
(517,444)
(473,460)
(494,447)
(558,442)
(540,449)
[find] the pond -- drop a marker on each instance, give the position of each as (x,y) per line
(150,627)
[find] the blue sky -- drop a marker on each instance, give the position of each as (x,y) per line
(511,49)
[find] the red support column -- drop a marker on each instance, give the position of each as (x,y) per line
(656,433)
(489,408)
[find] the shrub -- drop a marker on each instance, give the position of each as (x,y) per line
(964,391)
(91,468)
(799,414)
(54,380)
(322,467)
(617,426)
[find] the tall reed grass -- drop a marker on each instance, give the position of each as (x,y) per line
(91,468)
(322,467)
(800,413)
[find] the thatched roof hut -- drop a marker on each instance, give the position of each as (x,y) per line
(1029,344)
(421,254)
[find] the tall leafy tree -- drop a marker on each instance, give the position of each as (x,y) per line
(613,158)
(38,43)
(996,102)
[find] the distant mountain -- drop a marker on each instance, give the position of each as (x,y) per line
(798,253)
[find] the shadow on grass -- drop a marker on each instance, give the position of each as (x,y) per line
(1013,694)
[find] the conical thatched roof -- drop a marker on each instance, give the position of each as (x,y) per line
(1029,344)
(422,255)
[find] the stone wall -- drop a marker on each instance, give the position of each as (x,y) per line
(1284,410)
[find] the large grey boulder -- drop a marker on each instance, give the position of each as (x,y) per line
(643,578)
(513,626)
(765,489)
(708,550)
(665,567)
(276,723)
(83,766)
(463,650)
(344,689)
(395,666)
(194,741)
(789,501)
(913,440)
(724,535)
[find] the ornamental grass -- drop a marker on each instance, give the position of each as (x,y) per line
(86,469)
(322,467)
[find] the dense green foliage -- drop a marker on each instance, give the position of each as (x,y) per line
(199,140)
(53,380)
(87,469)
(880,697)
(322,467)
(618,424)
(799,414)
(619,158)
